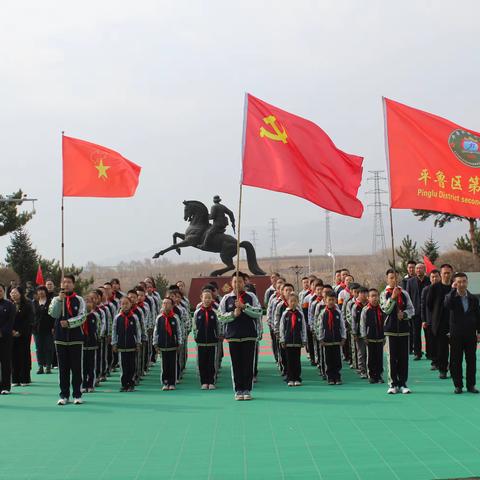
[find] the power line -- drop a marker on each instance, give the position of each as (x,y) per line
(328,238)
(378,240)
(254,238)
(273,233)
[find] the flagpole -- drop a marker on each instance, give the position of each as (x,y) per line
(63,224)
(387,156)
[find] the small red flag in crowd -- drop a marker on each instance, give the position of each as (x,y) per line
(429,266)
(39,278)
(287,153)
(90,170)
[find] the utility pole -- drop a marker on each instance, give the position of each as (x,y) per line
(254,238)
(273,233)
(328,238)
(297,270)
(378,240)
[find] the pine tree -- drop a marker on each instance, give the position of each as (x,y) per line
(161,283)
(10,219)
(464,243)
(22,257)
(407,251)
(430,249)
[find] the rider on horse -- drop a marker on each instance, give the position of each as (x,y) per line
(218,215)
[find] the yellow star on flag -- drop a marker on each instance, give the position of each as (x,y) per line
(102,170)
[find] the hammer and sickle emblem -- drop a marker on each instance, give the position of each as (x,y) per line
(279,136)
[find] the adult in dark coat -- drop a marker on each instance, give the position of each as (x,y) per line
(7,316)
(22,336)
(426,317)
(464,327)
(414,287)
(43,331)
(440,317)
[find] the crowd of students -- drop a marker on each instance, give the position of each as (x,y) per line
(89,338)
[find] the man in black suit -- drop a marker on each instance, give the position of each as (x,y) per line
(464,327)
(426,318)
(414,287)
(440,317)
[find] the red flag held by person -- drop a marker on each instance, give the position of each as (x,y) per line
(90,170)
(429,266)
(287,153)
(39,278)
(434,163)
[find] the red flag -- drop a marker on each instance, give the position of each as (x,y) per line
(433,162)
(39,278)
(290,154)
(429,266)
(91,170)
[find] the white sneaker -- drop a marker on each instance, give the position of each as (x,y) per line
(172,387)
(77,401)
(204,386)
(62,401)
(5,392)
(291,384)
(392,390)
(405,390)
(165,387)
(212,387)
(298,384)
(24,384)
(247,396)
(238,396)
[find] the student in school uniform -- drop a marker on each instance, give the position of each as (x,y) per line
(372,319)
(205,333)
(316,325)
(310,320)
(398,308)
(167,337)
(332,336)
(272,305)
(91,333)
(141,311)
(271,289)
(464,329)
(106,342)
(360,300)
(281,306)
(68,310)
(126,341)
(293,335)
(306,300)
(242,313)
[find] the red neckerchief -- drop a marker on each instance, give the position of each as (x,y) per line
(342,285)
(379,314)
(206,311)
(347,289)
(330,318)
(141,304)
(241,296)
(293,319)
(85,326)
(167,317)
(126,317)
(112,298)
(399,298)
(68,302)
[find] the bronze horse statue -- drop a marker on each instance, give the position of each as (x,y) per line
(197,214)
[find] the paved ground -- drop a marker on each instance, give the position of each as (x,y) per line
(352,431)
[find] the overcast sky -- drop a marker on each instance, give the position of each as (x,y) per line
(163,83)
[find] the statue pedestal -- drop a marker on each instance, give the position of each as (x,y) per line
(261,282)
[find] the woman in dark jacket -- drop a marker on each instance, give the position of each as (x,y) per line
(22,336)
(43,331)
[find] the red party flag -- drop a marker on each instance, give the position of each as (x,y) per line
(39,278)
(287,153)
(429,266)
(90,170)
(433,162)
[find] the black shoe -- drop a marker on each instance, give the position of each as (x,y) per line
(40,371)
(458,390)
(472,390)
(372,380)
(381,380)
(48,370)
(443,375)
(433,368)
(417,357)
(123,389)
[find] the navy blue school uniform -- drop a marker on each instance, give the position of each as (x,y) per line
(127,336)
(7,317)
(90,330)
(293,335)
(331,333)
(372,320)
(167,337)
(205,333)
(69,342)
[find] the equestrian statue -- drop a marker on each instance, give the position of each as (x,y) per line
(211,237)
